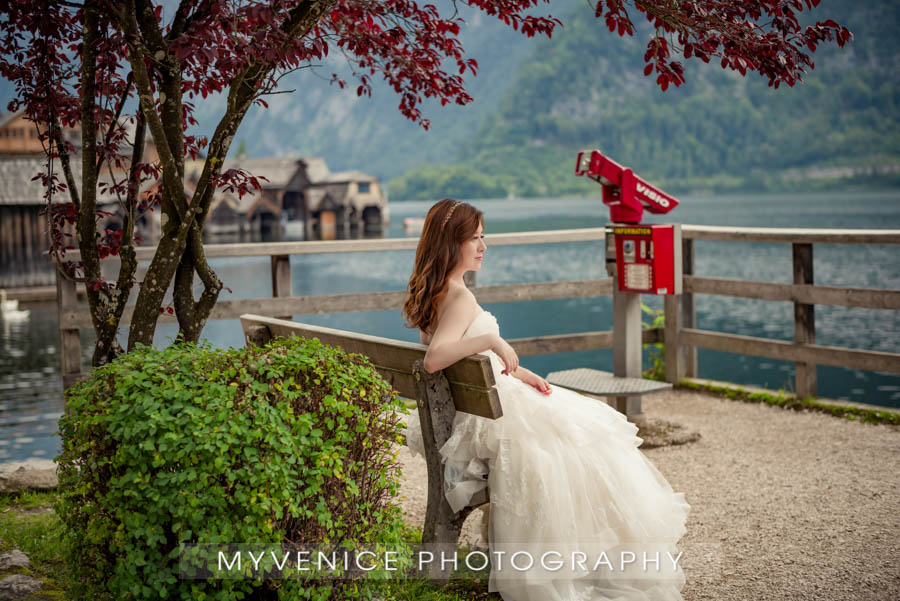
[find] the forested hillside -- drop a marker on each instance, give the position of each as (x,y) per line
(370,134)
(585,89)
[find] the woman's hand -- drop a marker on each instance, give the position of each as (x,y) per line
(506,354)
(534,380)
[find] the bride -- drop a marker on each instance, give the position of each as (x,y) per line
(578,513)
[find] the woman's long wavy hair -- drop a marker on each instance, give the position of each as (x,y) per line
(436,255)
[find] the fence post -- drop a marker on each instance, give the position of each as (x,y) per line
(69,339)
(688,310)
(627,348)
(804,320)
(627,338)
(469,278)
(281,278)
(674,351)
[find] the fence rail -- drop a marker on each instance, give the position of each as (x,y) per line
(680,334)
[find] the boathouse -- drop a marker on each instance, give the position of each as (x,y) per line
(301,196)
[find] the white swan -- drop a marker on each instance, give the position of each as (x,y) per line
(9,309)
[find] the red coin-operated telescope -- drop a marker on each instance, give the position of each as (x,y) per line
(646,257)
(624,193)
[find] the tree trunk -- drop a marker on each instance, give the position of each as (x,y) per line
(180,250)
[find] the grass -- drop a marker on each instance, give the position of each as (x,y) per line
(29,524)
(785,400)
(790,401)
(456,590)
(463,585)
(779,399)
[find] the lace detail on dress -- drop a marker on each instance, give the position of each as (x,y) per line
(526,496)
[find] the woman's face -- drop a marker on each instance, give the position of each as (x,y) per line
(471,251)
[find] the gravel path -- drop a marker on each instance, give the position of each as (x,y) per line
(784,505)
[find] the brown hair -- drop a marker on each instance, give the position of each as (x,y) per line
(448,224)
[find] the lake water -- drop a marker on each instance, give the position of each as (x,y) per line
(30,388)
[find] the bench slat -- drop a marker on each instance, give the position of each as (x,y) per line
(471,379)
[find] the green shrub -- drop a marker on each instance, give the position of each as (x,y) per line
(187,445)
(657,352)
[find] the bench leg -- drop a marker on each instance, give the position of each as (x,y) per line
(441,537)
(486,524)
(442,525)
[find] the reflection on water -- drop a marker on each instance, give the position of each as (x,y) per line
(30,397)
(30,386)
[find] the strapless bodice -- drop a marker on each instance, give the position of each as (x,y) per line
(484,323)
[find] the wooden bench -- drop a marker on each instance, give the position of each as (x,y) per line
(467,385)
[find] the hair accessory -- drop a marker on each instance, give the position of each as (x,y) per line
(449,213)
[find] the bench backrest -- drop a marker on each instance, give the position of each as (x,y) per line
(471,380)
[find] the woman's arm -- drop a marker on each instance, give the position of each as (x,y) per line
(522,373)
(445,355)
(447,345)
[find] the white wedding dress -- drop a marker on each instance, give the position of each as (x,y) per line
(566,480)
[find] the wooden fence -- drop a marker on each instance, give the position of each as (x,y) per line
(680,335)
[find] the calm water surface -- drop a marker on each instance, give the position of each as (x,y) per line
(30,389)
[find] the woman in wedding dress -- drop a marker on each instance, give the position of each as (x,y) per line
(587,516)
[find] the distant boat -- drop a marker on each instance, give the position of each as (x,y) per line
(413,225)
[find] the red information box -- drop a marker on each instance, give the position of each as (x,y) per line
(647,257)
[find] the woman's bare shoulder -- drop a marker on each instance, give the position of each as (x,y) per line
(459,305)
(459,297)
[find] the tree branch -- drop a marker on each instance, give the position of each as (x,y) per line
(241,93)
(145,95)
(86,226)
(115,120)
(180,22)
(127,253)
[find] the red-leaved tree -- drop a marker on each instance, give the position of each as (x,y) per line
(77,65)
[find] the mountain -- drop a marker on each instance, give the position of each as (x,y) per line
(585,89)
(370,134)
(537,102)
(311,116)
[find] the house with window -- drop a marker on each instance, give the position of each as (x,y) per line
(20,137)
(24,241)
(299,195)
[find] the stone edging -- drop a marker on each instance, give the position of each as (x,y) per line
(34,474)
